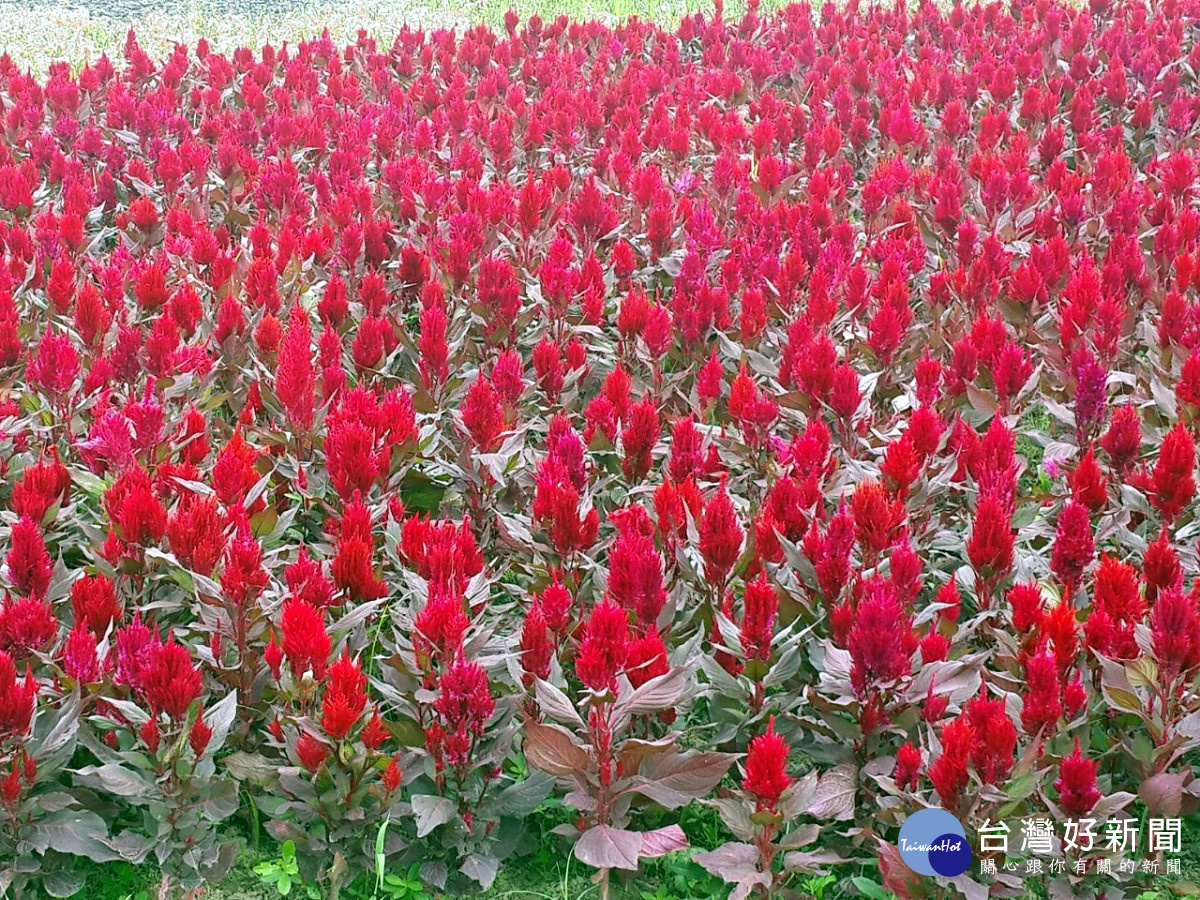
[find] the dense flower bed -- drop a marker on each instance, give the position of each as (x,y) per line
(794,414)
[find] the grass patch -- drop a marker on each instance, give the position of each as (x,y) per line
(39,33)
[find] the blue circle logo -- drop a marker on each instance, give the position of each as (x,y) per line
(933,842)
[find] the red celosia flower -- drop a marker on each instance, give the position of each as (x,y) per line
(434,351)
(391,776)
(1076,784)
(639,438)
(345,697)
(135,509)
(273,656)
(464,706)
(760,605)
(950,771)
(635,577)
(196,532)
(647,658)
(1171,485)
(935,647)
(312,752)
(94,601)
(753,410)
(1088,484)
(1161,567)
(876,517)
(375,732)
(55,365)
(1073,544)
(508,377)
(10,787)
(16,700)
(305,641)
(134,642)
(1043,706)
(901,466)
(1061,628)
(1027,605)
(908,766)
(29,565)
(995,738)
(42,486)
(536,646)
(880,640)
(604,647)
(307,582)
(1123,440)
(353,570)
(79,656)
(482,415)
(169,679)
(557,507)
(721,537)
(26,625)
(830,553)
(990,547)
(556,604)
(243,577)
(295,375)
(1175,633)
(1075,697)
(1117,608)
(766,768)
(709,380)
(200,735)
(149,734)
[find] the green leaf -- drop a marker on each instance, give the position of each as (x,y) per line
(77,832)
(431,811)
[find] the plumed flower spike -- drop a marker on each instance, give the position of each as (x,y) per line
(464,706)
(345,697)
(29,565)
(306,644)
(908,766)
(196,533)
(647,658)
(990,546)
(766,768)
(721,536)
(1171,485)
(482,415)
(55,365)
(16,699)
(760,606)
(605,645)
(42,485)
(635,578)
(169,679)
(537,649)
(881,638)
(1076,784)
(950,771)
(1074,547)
(295,374)
(1175,634)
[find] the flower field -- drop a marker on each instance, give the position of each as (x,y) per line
(433,452)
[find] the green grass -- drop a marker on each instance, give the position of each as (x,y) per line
(48,32)
(1035,419)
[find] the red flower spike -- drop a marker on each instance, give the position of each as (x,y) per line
(766,768)
(1076,784)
